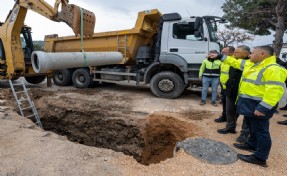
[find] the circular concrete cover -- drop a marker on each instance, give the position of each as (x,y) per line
(213,152)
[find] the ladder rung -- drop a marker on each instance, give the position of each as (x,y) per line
(20,92)
(23,100)
(17,84)
(26,108)
(30,115)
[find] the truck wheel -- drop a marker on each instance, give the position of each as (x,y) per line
(62,77)
(81,78)
(167,85)
(35,79)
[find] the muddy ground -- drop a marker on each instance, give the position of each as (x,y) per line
(117,130)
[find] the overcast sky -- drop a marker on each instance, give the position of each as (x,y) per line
(116,15)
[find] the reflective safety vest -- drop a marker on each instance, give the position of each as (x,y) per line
(263,82)
(224,74)
(210,68)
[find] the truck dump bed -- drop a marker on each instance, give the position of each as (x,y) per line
(125,41)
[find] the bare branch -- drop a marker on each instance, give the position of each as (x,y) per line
(233,36)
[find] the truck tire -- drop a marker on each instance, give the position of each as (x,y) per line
(82,79)
(167,85)
(62,77)
(35,79)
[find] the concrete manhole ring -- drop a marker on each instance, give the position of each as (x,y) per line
(213,152)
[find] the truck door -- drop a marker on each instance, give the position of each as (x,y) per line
(184,41)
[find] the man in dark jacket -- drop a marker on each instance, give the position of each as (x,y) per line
(232,86)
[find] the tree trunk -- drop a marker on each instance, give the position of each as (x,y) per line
(280,26)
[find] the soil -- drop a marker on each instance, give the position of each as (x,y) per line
(118,130)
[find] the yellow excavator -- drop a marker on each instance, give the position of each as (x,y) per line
(16,44)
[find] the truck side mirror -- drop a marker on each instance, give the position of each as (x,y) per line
(197,34)
(198,23)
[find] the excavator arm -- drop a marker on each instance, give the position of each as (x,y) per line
(12,60)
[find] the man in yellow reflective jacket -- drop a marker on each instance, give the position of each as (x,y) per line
(224,75)
(261,87)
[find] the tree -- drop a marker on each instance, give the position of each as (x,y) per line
(229,37)
(259,17)
(38,45)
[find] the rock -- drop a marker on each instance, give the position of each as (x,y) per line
(29,126)
(62,138)
(47,134)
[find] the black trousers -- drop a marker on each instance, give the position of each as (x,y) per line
(223,101)
(260,137)
(232,116)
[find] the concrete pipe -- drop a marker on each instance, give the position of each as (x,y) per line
(42,61)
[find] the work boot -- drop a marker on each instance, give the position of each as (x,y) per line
(284,122)
(242,138)
(202,103)
(284,108)
(252,159)
(220,119)
(226,131)
(214,103)
(244,146)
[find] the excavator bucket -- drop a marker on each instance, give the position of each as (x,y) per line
(78,19)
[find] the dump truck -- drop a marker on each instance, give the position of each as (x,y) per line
(164,51)
(16,44)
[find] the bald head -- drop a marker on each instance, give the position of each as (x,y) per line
(228,50)
(260,53)
(241,52)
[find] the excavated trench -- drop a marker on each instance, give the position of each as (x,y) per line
(106,123)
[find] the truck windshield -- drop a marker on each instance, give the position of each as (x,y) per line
(212,29)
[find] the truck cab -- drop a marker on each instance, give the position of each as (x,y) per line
(188,41)
(184,44)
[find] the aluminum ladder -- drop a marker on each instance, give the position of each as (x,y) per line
(23,99)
